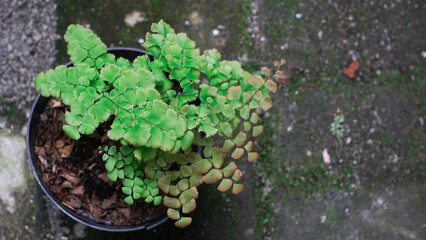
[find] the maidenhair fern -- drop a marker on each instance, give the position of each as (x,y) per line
(160,111)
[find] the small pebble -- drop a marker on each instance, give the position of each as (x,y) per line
(141,41)
(320,34)
(215,32)
(298,15)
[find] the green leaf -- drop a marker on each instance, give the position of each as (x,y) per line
(157,200)
(129,200)
(156,137)
(129,171)
(180,127)
(113,175)
(187,140)
(71,131)
(169,119)
(138,135)
(168,140)
(162,28)
(158,111)
(127,190)
(208,129)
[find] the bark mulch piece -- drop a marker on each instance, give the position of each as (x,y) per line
(75,173)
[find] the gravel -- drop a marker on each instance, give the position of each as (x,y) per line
(27,47)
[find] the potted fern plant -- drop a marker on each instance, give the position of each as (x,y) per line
(164,122)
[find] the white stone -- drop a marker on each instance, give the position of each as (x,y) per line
(298,15)
(326,156)
(12,157)
(215,32)
(131,19)
(320,34)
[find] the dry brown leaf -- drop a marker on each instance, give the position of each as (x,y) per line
(70,177)
(79,190)
(66,150)
(66,184)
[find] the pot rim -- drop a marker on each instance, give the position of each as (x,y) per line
(148,225)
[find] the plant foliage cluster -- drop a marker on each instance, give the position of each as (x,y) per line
(162,107)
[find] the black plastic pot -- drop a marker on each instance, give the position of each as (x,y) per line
(39,107)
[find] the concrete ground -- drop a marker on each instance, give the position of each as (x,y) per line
(369,185)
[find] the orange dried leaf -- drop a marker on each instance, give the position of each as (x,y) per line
(164,183)
(173,214)
(171,202)
(195,180)
(246,97)
(237,188)
(276,63)
(183,222)
(252,156)
(225,185)
(240,139)
(228,145)
(266,71)
(202,166)
(213,176)
(189,206)
(279,74)
(271,85)
(266,103)
(255,82)
(189,194)
(238,152)
(350,71)
(249,146)
(234,93)
(257,130)
(237,175)
(212,91)
(230,169)
(254,118)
